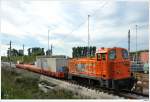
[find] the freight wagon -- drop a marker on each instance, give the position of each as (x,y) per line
(54,66)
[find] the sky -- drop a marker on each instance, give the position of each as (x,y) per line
(28,21)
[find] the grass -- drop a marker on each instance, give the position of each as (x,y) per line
(24,59)
(16,86)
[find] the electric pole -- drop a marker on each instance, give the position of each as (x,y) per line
(136,46)
(129,43)
(51,49)
(10,54)
(23,49)
(23,54)
(88,43)
(48,42)
(88,36)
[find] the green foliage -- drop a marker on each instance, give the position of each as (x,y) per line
(35,51)
(4,59)
(18,86)
(23,59)
(29,59)
(49,52)
(14,52)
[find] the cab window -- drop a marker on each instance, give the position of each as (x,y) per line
(103,56)
(112,54)
(98,56)
(125,54)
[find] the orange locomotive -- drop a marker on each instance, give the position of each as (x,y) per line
(110,67)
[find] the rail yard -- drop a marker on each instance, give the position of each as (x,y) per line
(104,74)
(80,89)
(75,49)
(91,73)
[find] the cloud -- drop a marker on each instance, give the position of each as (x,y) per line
(10,29)
(27,22)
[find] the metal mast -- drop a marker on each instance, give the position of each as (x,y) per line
(88,36)
(48,43)
(23,49)
(51,49)
(10,54)
(129,42)
(136,46)
(23,54)
(48,40)
(88,44)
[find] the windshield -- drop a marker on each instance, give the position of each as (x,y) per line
(125,54)
(112,54)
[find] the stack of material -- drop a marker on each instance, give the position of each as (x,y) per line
(83,51)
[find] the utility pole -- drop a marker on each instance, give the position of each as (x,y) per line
(129,43)
(48,43)
(136,46)
(10,54)
(23,49)
(88,44)
(88,36)
(23,54)
(51,49)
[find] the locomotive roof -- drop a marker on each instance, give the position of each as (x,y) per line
(105,50)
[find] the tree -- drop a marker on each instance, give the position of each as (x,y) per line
(29,51)
(49,52)
(36,51)
(14,52)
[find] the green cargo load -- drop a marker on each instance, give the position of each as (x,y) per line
(80,52)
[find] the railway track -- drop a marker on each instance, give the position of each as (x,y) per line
(133,95)
(126,94)
(98,90)
(122,94)
(86,91)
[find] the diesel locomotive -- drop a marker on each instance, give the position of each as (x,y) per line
(111,67)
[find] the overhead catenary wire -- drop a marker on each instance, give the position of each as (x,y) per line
(22,47)
(92,14)
(79,26)
(133,39)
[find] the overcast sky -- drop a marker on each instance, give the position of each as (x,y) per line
(27,22)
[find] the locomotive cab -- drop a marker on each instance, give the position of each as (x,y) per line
(115,68)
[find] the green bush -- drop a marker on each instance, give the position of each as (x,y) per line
(23,59)
(17,86)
